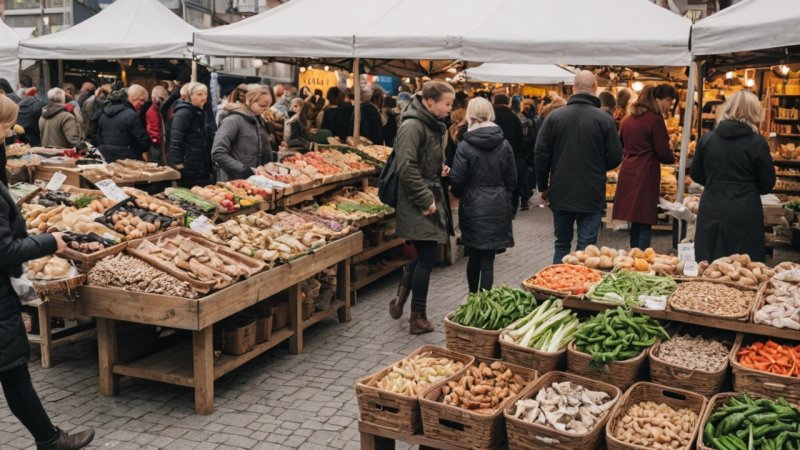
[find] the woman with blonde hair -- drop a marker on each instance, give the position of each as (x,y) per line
(188,146)
(734,164)
(483,176)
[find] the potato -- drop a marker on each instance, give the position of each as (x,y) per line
(571,259)
(606,262)
(662,269)
(581,255)
(592,250)
(626,262)
(747,281)
(641,265)
(592,262)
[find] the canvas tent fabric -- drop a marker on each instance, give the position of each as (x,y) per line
(9,62)
(124,29)
(520,73)
(747,26)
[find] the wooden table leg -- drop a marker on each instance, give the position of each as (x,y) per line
(107,358)
(203,356)
(45,334)
(343,288)
(295,320)
(372,442)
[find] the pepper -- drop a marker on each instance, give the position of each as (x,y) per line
(736,442)
(719,445)
(763,418)
(708,432)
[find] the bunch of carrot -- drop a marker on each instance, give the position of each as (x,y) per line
(771,357)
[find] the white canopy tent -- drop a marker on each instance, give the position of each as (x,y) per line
(9,61)
(125,29)
(519,73)
(747,26)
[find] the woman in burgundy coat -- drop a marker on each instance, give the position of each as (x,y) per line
(645,141)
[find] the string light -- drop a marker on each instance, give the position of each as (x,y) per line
(730,75)
(785,70)
(637,86)
(327,68)
(750,83)
(302,70)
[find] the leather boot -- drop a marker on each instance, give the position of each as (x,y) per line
(66,441)
(403,291)
(419,323)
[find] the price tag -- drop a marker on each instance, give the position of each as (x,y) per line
(56,181)
(691,269)
(111,190)
(201,224)
(656,303)
(686,252)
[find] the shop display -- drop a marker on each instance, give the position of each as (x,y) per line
(412,375)
(128,171)
(378,152)
(351,161)
(786,185)
(87,243)
(771,357)
(134,222)
(712,299)
(133,274)
(657,426)
(617,335)
(565,278)
(744,423)
(549,328)
(147,202)
(483,389)
(787,152)
(781,308)
(605,258)
(565,406)
(193,203)
(48,268)
(22,191)
(495,309)
(351,205)
(626,287)
(284,174)
(669,183)
(739,269)
(694,353)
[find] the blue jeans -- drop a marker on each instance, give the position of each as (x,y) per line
(564,225)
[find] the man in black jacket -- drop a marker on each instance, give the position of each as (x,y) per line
(120,133)
(576,146)
(508,121)
(30,110)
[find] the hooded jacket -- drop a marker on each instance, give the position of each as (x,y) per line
(58,127)
(120,134)
(736,168)
(241,143)
(483,176)
(576,146)
(188,144)
(30,110)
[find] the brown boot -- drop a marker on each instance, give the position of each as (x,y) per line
(403,291)
(66,441)
(419,323)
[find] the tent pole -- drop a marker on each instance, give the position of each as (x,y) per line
(194,70)
(61,72)
(357,101)
(46,72)
(686,133)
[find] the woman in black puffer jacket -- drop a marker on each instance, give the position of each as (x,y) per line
(189,149)
(483,176)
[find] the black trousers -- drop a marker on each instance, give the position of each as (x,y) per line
(421,267)
(480,269)
(25,404)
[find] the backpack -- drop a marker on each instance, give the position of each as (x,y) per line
(389,182)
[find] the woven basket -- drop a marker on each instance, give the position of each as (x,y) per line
(684,279)
(700,381)
(715,401)
(543,362)
(532,436)
(621,374)
(468,429)
(396,411)
(762,383)
(742,318)
(543,293)
(470,340)
(643,392)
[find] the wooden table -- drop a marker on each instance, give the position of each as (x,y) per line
(374,437)
(47,339)
(194,365)
(298,197)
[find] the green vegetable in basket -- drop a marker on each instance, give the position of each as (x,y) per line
(625,286)
(742,423)
(549,327)
(617,335)
(494,309)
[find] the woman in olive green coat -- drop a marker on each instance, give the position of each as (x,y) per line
(421,213)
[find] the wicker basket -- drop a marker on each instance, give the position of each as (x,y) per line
(396,411)
(759,292)
(543,293)
(532,436)
(543,362)
(762,383)
(700,381)
(642,392)
(469,429)
(621,374)
(716,400)
(470,340)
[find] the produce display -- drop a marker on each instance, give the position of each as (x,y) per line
(656,426)
(740,269)
(190,202)
(495,309)
(283,174)
(483,389)
(781,307)
(379,152)
(605,258)
(134,222)
(48,268)
(625,287)
(147,202)
(549,327)
(786,185)
(787,152)
(351,205)
(565,406)
(617,335)
(129,171)
(712,299)
(133,274)
(669,183)
(771,357)
(87,243)
(412,375)
(694,353)
(566,278)
(232,196)
(20,191)
(745,423)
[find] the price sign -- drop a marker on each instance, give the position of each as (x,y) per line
(655,302)
(201,224)
(686,252)
(56,181)
(111,190)
(691,269)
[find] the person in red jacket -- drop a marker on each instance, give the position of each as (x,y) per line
(155,124)
(645,143)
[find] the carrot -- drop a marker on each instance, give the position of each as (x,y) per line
(771,357)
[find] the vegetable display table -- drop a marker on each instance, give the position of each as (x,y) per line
(374,437)
(194,365)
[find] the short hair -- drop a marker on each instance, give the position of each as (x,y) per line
(8,114)
(663,91)
(744,107)
(137,91)
(584,81)
(69,87)
(479,110)
(502,100)
(5,86)
(334,95)
(193,88)
(57,95)
(254,92)
(607,99)
(88,85)
(159,94)
(26,81)
(366,95)
(239,90)
(435,90)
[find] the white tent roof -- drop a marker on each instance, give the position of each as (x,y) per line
(748,25)
(125,29)
(9,63)
(520,73)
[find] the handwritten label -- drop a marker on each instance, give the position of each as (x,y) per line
(111,190)
(691,269)
(201,224)
(56,181)
(653,302)
(686,252)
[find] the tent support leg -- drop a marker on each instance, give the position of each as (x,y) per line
(357,101)
(687,129)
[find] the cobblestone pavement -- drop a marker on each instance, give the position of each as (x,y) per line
(277,400)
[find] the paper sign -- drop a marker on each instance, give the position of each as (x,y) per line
(691,269)
(656,303)
(111,190)
(686,252)
(201,224)
(56,181)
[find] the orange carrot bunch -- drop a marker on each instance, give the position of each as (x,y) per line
(771,357)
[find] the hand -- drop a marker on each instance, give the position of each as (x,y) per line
(445,170)
(546,198)
(61,245)
(431,210)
